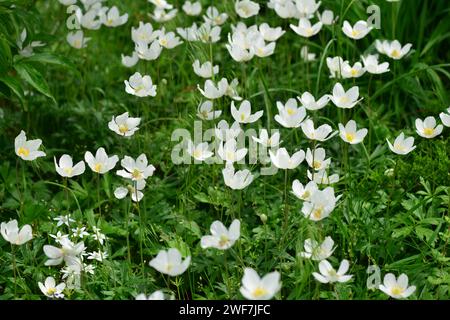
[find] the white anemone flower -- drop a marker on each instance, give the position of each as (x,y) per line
(329,275)
(124,125)
(358,31)
(205,111)
(206,70)
(345,99)
(427,128)
(350,134)
(243,114)
(236,180)
(65,167)
(140,86)
(136,170)
(170,262)
(101,163)
(27,149)
(282,160)
(316,251)
(11,233)
(256,288)
(221,238)
(50,289)
(397,288)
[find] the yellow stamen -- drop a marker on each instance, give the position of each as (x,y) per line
(428,131)
(23,152)
(259,292)
(123,128)
(397,290)
(395,54)
(98,167)
(223,240)
(136,174)
(350,137)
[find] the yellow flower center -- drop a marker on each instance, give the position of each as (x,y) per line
(98,167)
(68,171)
(123,128)
(290,111)
(306,195)
(428,131)
(223,240)
(344,99)
(23,152)
(204,114)
(354,72)
(317,213)
(51,291)
(350,137)
(77,43)
(355,33)
(163,42)
(399,147)
(397,290)
(395,54)
(242,117)
(259,292)
(169,267)
(230,155)
(136,174)
(109,22)
(309,31)
(317,164)
(138,88)
(197,153)
(260,51)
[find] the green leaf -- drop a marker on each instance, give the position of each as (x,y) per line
(34,78)
(14,85)
(424,233)
(48,58)
(5,54)
(402,232)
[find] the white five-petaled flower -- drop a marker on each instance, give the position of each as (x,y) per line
(221,237)
(358,31)
(212,91)
(214,17)
(136,170)
(27,149)
(402,145)
(243,115)
(206,70)
(256,288)
(192,8)
(130,61)
(445,117)
(316,251)
(305,29)
(140,86)
(224,132)
(321,177)
(236,180)
(50,289)
(11,233)
(170,262)
(335,66)
(329,275)
(350,134)
(306,55)
(345,99)
(246,8)
(229,152)
(322,133)
(135,191)
(77,39)
(309,102)
(427,128)
(290,115)
(397,288)
(393,49)
(372,65)
(157,295)
(199,152)
(327,17)
(304,192)
(112,17)
(306,8)
(264,139)
(124,125)
(355,71)
(205,111)
(316,159)
(320,204)
(282,160)
(101,163)
(69,253)
(270,34)
(65,167)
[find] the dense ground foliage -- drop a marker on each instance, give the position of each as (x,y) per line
(383,208)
